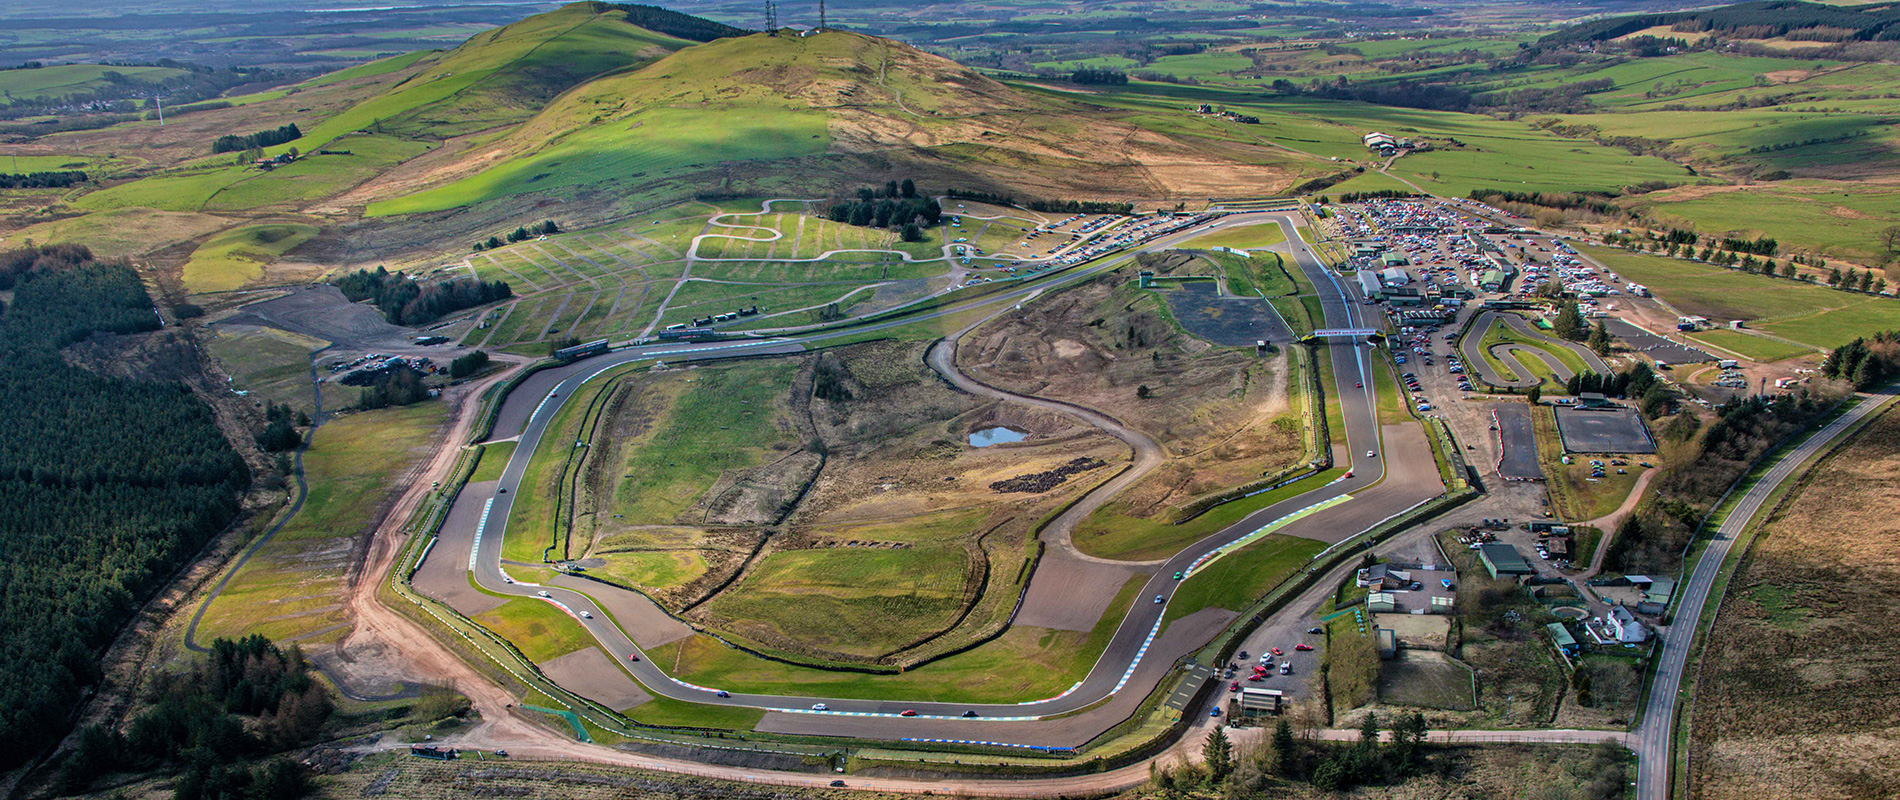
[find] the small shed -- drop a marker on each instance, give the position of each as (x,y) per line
(1382,602)
(1592,400)
(1561,638)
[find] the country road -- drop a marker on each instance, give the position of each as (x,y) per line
(1655,738)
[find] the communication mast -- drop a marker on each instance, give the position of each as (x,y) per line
(771,18)
(821,14)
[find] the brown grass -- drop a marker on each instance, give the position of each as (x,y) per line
(1797,689)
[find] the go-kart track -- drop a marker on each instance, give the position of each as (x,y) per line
(1401,475)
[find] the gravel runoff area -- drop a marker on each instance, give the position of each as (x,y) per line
(322,312)
(591,674)
(1071,594)
(1518,458)
(1232,321)
(1610,430)
(1656,347)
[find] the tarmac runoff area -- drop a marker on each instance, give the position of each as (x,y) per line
(443,575)
(1605,430)
(1662,350)
(1518,443)
(1231,320)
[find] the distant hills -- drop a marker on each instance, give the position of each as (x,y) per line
(1765,19)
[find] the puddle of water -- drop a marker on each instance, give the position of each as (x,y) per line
(990,436)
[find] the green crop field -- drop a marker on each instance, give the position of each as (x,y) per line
(64,79)
(237,257)
(1838,219)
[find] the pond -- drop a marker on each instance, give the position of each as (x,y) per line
(990,436)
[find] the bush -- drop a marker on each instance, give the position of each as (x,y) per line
(467,365)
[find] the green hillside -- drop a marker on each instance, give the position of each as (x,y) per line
(502,76)
(840,95)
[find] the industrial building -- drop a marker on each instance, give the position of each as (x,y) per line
(1502,559)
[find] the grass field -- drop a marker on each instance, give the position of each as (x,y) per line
(858,601)
(1110,534)
(219,185)
(293,586)
(272,365)
(1023,664)
(537,628)
(1814,602)
(236,257)
(673,140)
(1241,578)
(1574,495)
(1809,313)
(125,232)
(699,437)
(1834,218)
(1500,333)
(532,522)
(1751,346)
(494,460)
(1245,237)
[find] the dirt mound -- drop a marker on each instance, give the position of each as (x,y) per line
(1048,479)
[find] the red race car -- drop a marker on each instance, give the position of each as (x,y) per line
(908,713)
(1302,647)
(633,656)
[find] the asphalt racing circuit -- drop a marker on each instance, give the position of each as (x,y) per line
(1142,649)
(1400,476)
